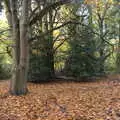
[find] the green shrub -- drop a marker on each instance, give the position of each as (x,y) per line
(5,69)
(38,70)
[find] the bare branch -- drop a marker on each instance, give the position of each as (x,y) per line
(63,40)
(39,15)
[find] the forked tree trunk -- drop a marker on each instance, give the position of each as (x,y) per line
(18,21)
(18,84)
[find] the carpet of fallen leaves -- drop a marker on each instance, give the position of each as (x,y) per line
(98,100)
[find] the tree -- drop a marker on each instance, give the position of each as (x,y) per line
(81,60)
(44,47)
(94,41)
(19,26)
(20,20)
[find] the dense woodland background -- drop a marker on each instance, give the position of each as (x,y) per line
(40,40)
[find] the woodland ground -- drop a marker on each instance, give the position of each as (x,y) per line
(98,100)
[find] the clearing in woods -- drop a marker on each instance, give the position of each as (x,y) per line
(98,100)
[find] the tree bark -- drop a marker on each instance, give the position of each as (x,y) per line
(19,26)
(23,48)
(50,44)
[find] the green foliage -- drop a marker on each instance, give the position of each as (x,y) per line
(88,48)
(5,69)
(82,60)
(38,71)
(5,52)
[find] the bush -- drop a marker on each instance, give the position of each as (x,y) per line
(5,71)
(38,70)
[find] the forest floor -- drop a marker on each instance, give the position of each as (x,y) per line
(98,100)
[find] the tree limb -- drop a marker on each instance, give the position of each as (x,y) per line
(39,15)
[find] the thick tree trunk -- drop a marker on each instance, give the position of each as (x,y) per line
(18,84)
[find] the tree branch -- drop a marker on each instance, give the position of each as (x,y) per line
(63,40)
(39,15)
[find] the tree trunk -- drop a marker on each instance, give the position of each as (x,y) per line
(51,54)
(49,44)
(18,84)
(23,48)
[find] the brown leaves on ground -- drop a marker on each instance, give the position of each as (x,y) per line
(63,101)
